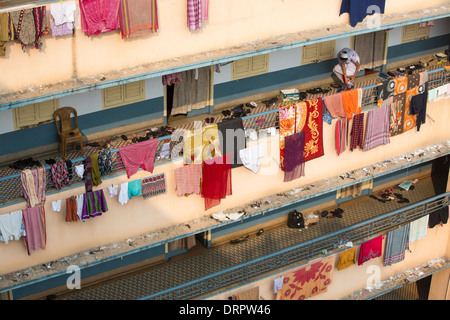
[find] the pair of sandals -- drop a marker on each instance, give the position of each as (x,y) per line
(318,90)
(209,120)
(244,238)
(336,213)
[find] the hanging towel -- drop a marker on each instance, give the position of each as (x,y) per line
(250,156)
(418,229)
(138,18)
(377,128)
(359,9)
(79,203)
(351,102)
(397,242)
(11,226)
(134,188)
(35,228)
(123,194)
(216,181)
(98,16)
(63,12)
(294,159)
(357,133)
(139,155)
(370,249)
(341,135)
(59,174)
(95,171)
(79,170)
(197,12)
(334,105)
(188,179)
(153,185)
(56,206)
(33,186)
(439,216)
(71,209)
(232,139)
(347,258)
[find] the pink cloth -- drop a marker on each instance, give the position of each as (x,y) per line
(139,155)
(34,224)
(197,12)
(99,16)
(335,105)
(188,179)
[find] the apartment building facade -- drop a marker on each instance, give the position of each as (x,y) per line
(248,52)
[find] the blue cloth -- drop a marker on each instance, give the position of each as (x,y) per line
(358,9)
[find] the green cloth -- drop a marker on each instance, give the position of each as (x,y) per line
(95,171)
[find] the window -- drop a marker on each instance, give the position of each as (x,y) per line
(249,67)
(123,94)
(414,32)
(35,113)
(318,52)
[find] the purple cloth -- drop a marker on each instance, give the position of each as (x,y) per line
(94,204)
(294,159)
(62,29)
(377,127)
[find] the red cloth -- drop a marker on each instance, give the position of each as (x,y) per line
(370,249)
(99,16)
(216,183)
(139,155)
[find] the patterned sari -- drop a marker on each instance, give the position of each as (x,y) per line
(303,116)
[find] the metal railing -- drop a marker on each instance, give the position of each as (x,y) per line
(302,252)
(11,187)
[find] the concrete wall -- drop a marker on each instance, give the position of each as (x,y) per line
(143,216)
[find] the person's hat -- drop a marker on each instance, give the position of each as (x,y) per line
(344,55)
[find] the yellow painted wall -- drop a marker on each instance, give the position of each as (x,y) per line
(144,216)
(230,24)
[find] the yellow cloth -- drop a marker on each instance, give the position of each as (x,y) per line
(347,258)
(252,294)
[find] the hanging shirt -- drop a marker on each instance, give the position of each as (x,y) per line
(359,9)
(11,227)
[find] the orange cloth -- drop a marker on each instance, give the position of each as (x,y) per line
(347,258)
(71,210)
(351,102)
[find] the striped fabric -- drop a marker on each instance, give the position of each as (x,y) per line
(138,18)
(35,228)
(377,128)
(188,179)
(357,133)
(153,185)
(341,135)
(170,79)
(397,242)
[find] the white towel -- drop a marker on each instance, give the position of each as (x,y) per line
(123,194)
(250,156)
(79,201)
(63,12)
(11,226)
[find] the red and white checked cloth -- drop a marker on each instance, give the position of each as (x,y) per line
(197,12)
(188,179)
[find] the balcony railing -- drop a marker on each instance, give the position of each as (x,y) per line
(10,186)
(302,252)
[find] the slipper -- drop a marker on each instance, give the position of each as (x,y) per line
(260,232)
(324,214)
(241,239)
(124,137)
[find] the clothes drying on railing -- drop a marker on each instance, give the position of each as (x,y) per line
(138,18)
(396,244)
(153,185)
(188,179)
(347,258)
(302,116)
(201,143)
(359,9)
(139,155)
(377,128)
(232,139)
(334,105)
(418,229)
(99,16)
(250,156)
(352,100)
(35,228)
(33,186)
(216,181)
(357,132)
(62,18)
(294,156)
(197,12)
(341,135)
(59,174)
(11,226)
(370,249)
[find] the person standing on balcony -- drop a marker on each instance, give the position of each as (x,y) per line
(345,71)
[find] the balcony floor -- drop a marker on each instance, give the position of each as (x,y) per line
(199,262)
